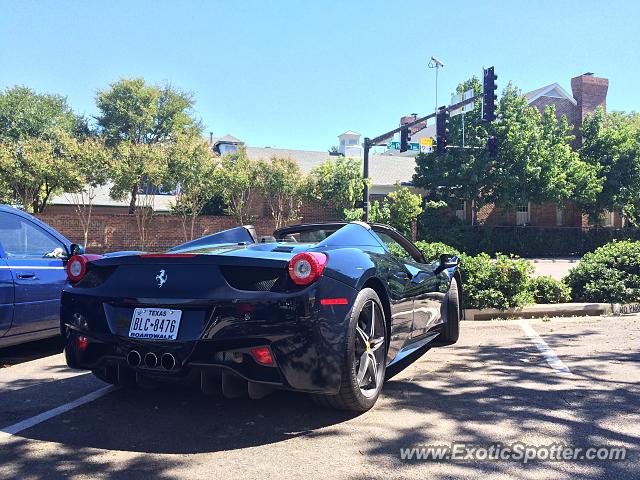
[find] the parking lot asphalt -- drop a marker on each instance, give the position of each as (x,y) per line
(499,384)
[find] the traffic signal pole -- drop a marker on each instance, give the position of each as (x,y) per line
(382,140)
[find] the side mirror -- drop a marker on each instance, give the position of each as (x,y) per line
(75,249)
(447,261)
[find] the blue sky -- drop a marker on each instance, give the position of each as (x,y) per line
(295,74)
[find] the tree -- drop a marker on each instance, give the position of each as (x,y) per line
(37,134)
(404,208)
(135,113)
(336,184)
(146,167)
(194,170)
(534,162)
(281,183)
(611,145)
(237,175)
(91,160)
(25,114)
(33,169)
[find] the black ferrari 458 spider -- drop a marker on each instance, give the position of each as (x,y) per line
(318,308)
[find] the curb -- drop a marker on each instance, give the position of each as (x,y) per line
(546,310)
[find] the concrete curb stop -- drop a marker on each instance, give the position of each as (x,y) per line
(552,310)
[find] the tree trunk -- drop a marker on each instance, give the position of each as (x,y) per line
(134,195)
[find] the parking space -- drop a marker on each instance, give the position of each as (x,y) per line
(495,385)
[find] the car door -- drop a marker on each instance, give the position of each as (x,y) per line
(35,259)
(427,292)
(400,300)
(423,285)
(6,295)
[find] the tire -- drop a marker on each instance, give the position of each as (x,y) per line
(451,331)
(366,341)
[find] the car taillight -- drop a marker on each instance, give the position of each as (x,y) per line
(262,355)
(77,266)
(306,267)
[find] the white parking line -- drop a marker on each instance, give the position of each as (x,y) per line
(546,351)
(11,430)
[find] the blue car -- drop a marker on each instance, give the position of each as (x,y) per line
(32,276)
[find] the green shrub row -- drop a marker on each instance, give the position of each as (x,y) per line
(501,282)
(527,242)
(610,274)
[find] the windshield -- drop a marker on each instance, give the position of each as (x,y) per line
(307,236)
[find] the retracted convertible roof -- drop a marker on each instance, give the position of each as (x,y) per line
(245,235)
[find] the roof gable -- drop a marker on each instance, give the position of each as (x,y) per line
(553,91)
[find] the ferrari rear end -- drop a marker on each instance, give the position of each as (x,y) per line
(232,319)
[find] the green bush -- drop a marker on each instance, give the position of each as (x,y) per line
(549,290)
(527,242)
(609,274)
(432,251)
(501,283)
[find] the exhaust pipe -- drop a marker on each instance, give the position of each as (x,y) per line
(168,361)
(134,358)
(151,360)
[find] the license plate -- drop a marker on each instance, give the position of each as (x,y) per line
(155,323)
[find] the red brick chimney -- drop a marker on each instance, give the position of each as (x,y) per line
(412,118)
(590,92)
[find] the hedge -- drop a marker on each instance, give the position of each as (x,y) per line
(527,242)
(609,274)
(501,282)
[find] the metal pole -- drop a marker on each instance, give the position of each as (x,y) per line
(463,129)
(365,193)
(437,68)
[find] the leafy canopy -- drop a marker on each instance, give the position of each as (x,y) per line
(336,184)
(281,183)
(135,118)
(611,145)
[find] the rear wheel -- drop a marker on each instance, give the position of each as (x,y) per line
(451,330)
(364,361)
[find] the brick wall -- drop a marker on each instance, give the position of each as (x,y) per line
(110,232)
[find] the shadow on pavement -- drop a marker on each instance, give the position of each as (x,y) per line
(26,352)
(479,388)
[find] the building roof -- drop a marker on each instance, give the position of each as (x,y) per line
(349,132)
(383,169)
(161,203)
(553,90)
(226,139)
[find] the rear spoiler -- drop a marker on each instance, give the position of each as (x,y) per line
(244,235)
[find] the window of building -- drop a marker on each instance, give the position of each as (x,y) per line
(608,219)
(522,214)
(561,213)
(461,210)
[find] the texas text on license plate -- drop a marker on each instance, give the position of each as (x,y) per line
(155,323)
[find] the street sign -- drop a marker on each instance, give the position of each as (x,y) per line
(426,145)
(459,98)
(396,146)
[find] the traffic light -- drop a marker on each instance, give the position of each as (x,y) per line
(492,146)
(442,130)
(405,138)
(489,98)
